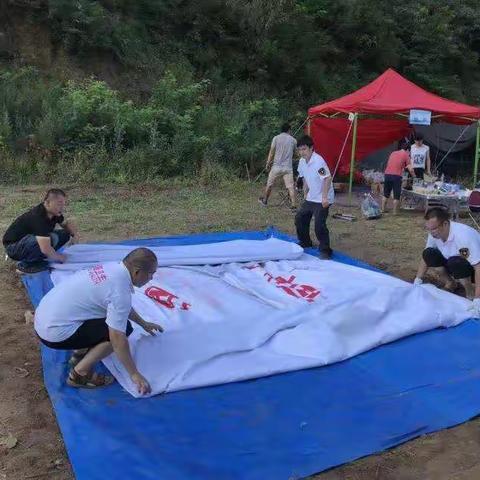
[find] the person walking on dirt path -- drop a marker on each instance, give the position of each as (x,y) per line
(319,196)
(279,162)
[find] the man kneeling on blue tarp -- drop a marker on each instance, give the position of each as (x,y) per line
(89,313)
(32,238)
(453,251)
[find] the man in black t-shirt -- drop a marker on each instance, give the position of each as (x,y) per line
(32,238)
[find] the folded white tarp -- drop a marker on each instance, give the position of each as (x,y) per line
(84,255)
(239,321)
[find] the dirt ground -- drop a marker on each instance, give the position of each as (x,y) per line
(391,243)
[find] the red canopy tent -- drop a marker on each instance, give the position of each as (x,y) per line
(383,107)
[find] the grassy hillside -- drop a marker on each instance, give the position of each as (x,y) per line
(131,90)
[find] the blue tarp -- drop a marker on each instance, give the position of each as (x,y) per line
(281,427)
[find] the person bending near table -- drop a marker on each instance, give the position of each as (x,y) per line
(453,251)
(397,162)
(89,313)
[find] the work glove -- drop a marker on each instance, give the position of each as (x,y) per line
(475,308)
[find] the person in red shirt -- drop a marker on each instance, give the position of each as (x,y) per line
(397,162)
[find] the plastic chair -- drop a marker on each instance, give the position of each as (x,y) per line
(474,206)
(284,198)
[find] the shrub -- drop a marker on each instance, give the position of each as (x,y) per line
(86,130)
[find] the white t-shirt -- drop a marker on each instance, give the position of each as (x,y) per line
(315,172)
(284,145)
(462,241)
(419,155)
(103,291)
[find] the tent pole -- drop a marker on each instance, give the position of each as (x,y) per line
(477,154)
(308,126)
(352,158)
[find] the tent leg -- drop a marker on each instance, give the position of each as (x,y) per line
(477,154)
(308,127)
(352,158)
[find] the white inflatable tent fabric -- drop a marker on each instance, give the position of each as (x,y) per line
(277,311)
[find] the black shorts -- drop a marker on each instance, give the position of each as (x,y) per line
(419,172)
(458,267)
(89,334)
(392,182)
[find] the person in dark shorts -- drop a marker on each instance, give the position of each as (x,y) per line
(89,313)
(32,238)
(453,252)
(397,162)
(420,156)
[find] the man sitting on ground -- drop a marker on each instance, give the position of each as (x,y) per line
(280,159)
(453,250)
(91,310)
(32,239)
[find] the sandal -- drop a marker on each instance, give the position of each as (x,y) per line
(451,286)
(77,355)
(91,380)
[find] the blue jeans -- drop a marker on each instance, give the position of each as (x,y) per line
(27,251)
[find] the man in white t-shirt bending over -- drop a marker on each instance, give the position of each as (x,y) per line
(91,310)
(453,250)
(319,195)
(420,156)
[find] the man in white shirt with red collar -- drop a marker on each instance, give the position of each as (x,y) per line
(319,195)
(453,250)
(90,311)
